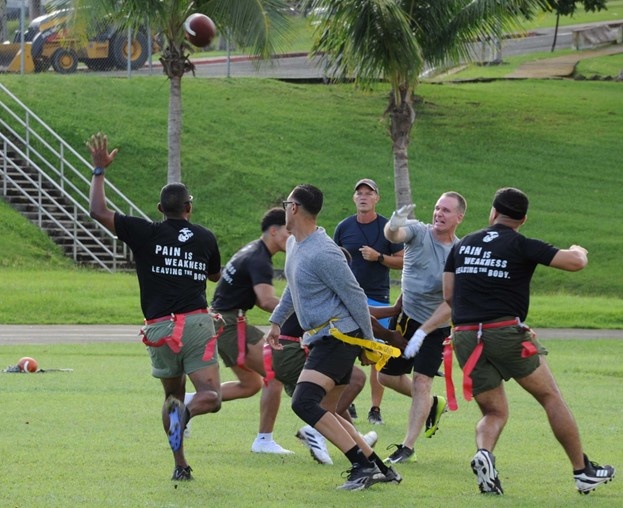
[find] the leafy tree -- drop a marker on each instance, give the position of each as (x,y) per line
(568,8)
(261,26)
(394,40)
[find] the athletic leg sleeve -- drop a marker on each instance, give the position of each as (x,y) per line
(306,402)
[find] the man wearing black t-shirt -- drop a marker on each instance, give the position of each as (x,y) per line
(247,281)
(487,284)
(174,259)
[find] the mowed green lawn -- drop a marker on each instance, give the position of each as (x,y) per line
(93,437)
(247,143)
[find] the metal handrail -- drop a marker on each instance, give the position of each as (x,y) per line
(57,164)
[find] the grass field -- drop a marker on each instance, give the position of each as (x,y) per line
(93,437)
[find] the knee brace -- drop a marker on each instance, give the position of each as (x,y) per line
(306,402)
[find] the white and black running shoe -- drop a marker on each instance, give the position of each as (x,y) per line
(483,466)
(592,476)
(316,443)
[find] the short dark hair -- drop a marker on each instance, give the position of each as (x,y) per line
(309,197)
(173,198)
(462,203)
(273,217)
(511,202)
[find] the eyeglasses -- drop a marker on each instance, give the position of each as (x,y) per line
(286,203)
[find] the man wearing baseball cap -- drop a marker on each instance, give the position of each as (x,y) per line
(372,258)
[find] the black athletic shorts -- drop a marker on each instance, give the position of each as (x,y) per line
(427,360)
(334,358)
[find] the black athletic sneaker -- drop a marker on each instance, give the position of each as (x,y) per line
(592,476)
(182,474)
(392,476)
(402,454)
(483,466)
(352,411)
(374,416)
(360,477)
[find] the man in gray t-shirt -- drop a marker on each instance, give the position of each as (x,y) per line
(425,315)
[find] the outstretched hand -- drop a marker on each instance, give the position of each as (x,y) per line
(399,217)
(98,146)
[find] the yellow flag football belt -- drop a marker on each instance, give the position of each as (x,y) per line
(377,352)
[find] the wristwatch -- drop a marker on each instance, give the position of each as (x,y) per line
(98,171)
(381,258)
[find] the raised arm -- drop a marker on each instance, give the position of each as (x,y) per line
(394,229)
(101,158)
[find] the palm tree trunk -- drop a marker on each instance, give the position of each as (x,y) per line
(174,173)
(401,117)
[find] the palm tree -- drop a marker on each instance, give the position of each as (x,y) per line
(393,40)
(261,26)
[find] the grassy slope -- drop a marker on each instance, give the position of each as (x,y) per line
(258,138)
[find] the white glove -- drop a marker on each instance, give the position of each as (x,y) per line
(399,217)
(414,344)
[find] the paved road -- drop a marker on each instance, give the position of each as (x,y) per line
(80,334)
(298,67)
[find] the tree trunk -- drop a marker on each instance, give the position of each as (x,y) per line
(175,64)
(401,117)
(556,32)
(4,31)
(174,173)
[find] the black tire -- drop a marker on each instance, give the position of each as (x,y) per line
(65,61)
(138,50)
(42,64)
(98,64)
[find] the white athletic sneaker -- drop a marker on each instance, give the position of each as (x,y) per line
(316,443)
(265,446)
(483,466)
(371,438)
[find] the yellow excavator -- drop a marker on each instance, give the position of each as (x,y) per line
(53,40)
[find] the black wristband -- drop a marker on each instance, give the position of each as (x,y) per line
(98,171)
(381,258)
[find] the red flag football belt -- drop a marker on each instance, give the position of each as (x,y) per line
(174,341)
(528,349)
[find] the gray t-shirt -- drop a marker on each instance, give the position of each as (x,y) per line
(321,286)
(422,273)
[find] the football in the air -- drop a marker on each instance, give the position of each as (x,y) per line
(28,364)
(199,30)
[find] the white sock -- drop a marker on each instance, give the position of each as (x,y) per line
(188,397)
(265,436)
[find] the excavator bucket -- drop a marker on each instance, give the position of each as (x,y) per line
(16,63)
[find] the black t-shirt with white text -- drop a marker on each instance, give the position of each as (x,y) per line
(492,270)
(173,260)
(250,266)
